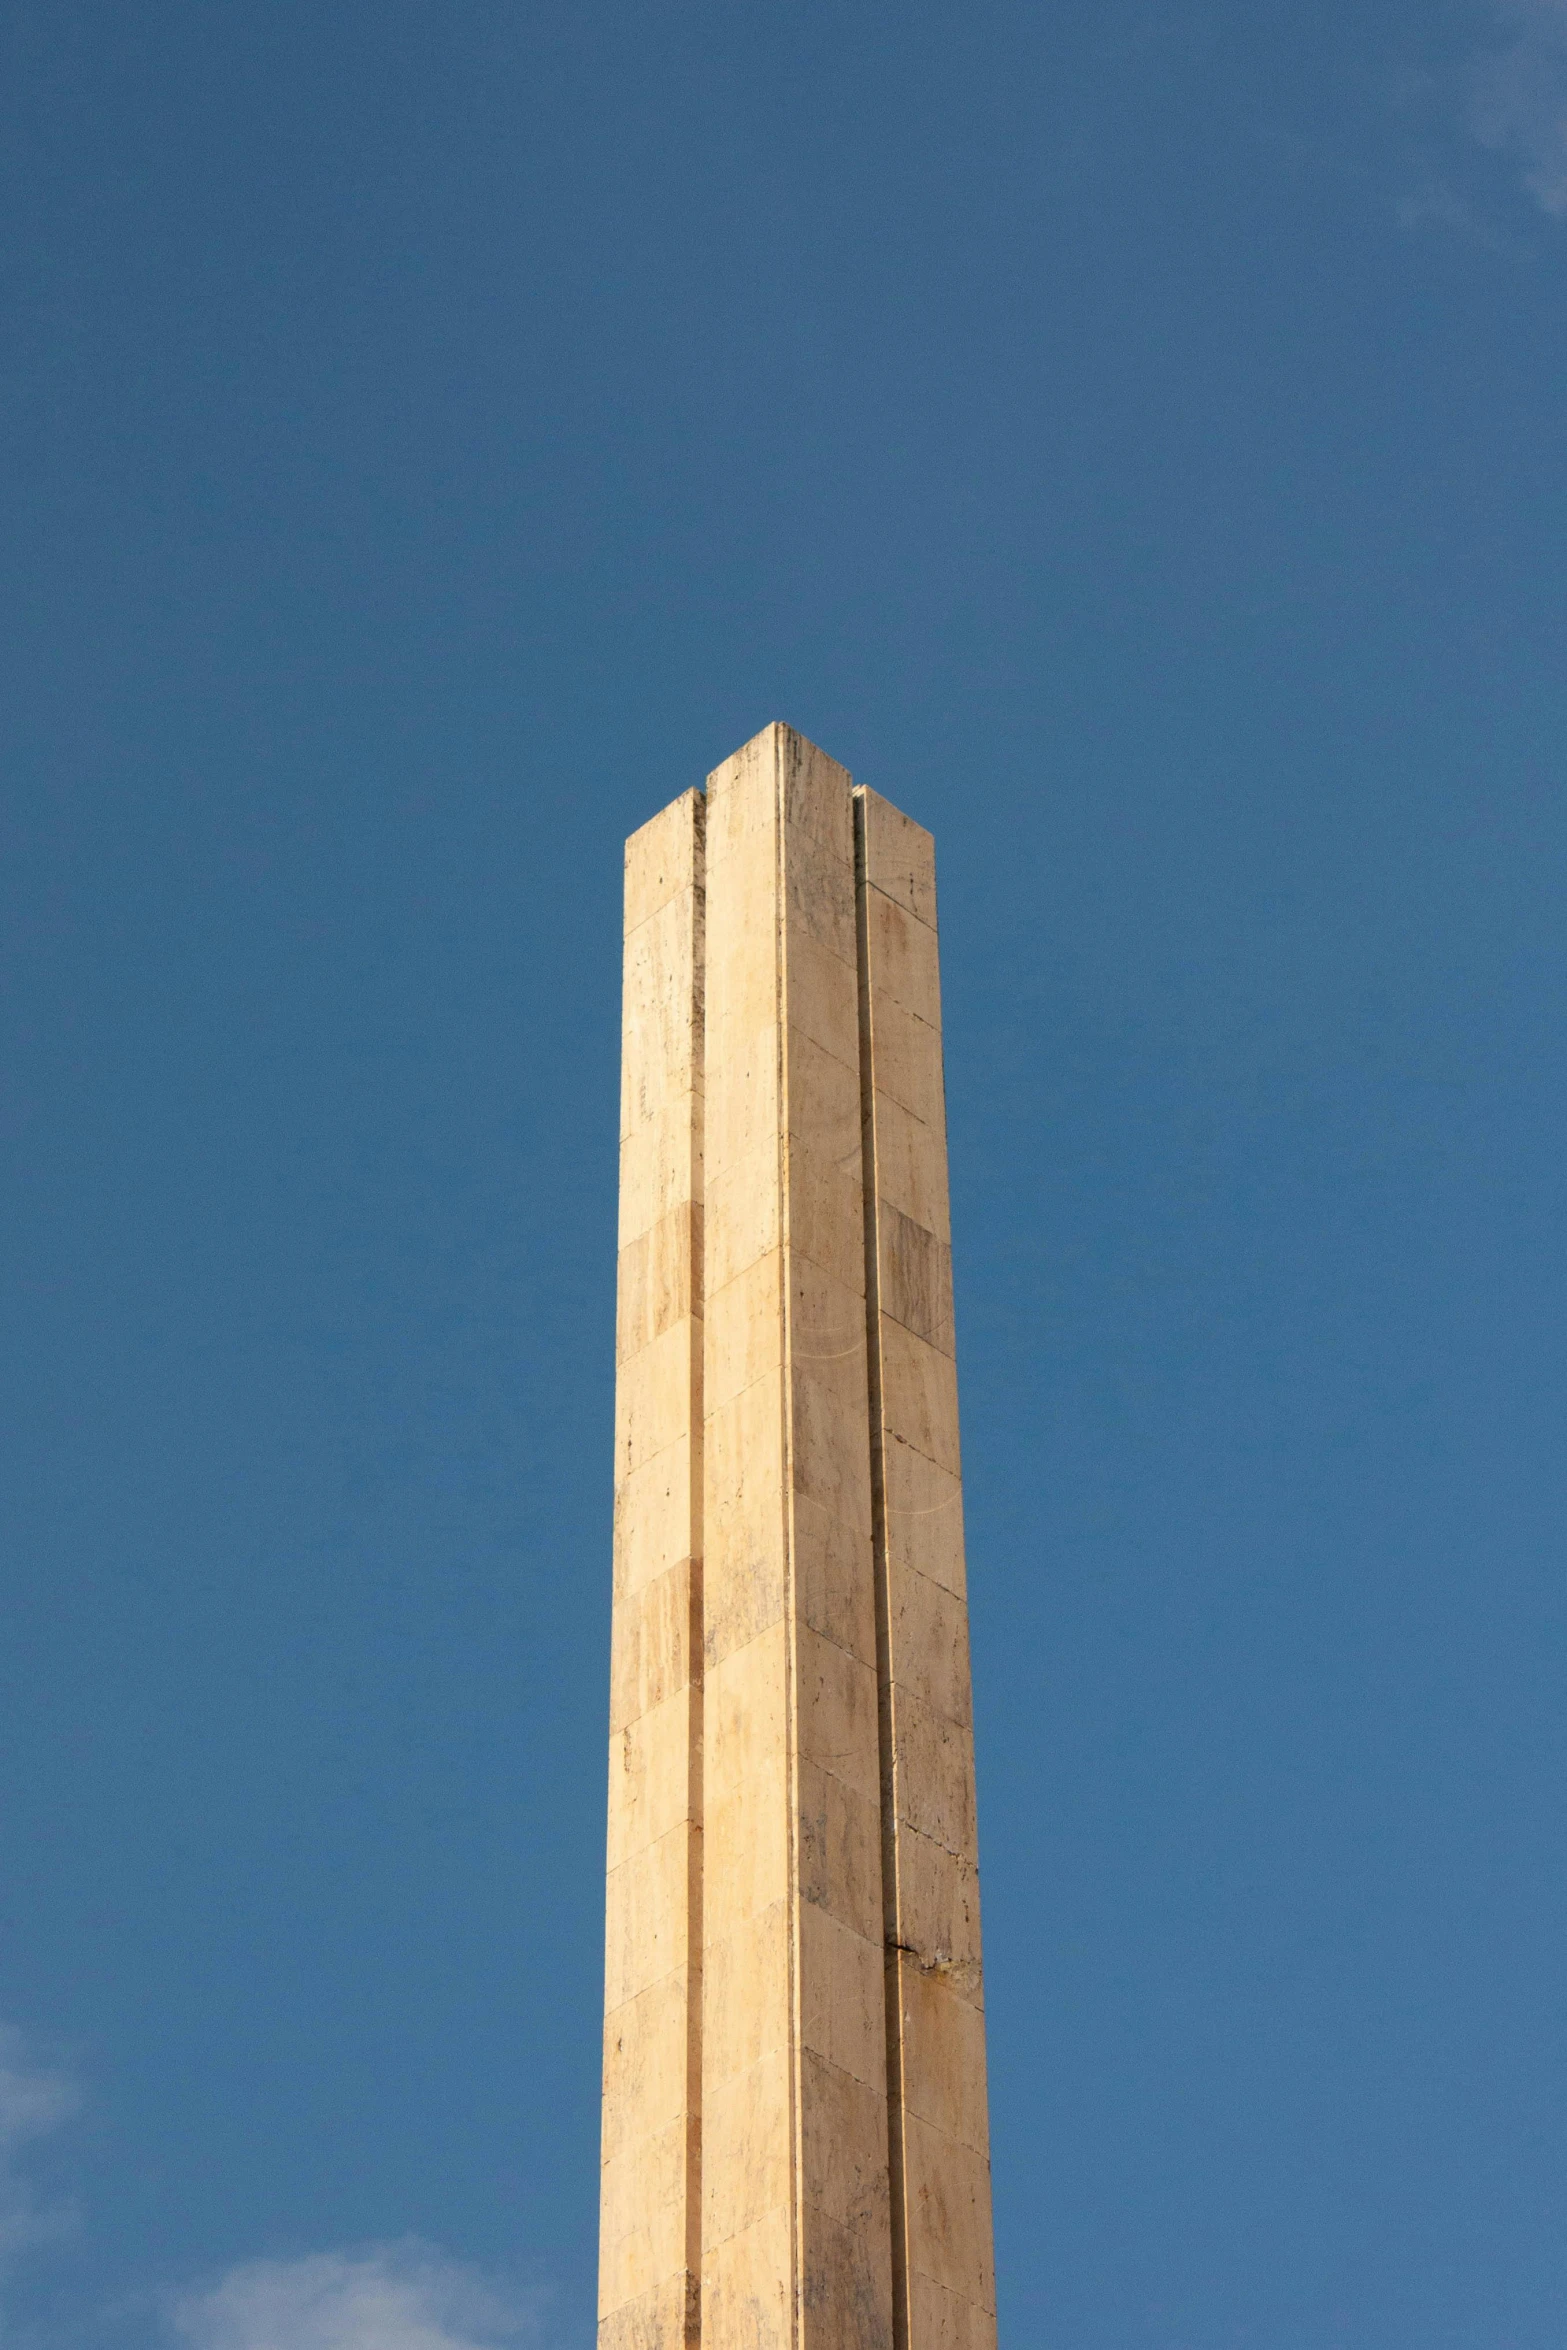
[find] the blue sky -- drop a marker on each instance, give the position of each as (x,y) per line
(1132,439)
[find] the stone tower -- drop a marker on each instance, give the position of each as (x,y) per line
(795,2148)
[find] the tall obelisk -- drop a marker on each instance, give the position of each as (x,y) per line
(796,2149)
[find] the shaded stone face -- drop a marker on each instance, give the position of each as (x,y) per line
(795,2145)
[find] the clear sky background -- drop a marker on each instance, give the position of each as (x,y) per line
(1135,440)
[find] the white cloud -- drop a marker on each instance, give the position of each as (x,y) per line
(403,2296)
(34,2103)
(385,2297)
(1519,99)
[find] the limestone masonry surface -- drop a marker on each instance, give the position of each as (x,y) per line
(795,2140)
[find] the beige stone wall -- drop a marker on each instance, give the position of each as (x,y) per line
(795,2145)
(796,2244)
(650,2198)
(939,2125)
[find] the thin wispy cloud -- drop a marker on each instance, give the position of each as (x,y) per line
(35,2102)
(385,2297)
(1433,204)
(1518,103)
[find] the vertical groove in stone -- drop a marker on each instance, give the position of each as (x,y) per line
(884,1724)
(791,1659)
(939,2157)
(694,1636)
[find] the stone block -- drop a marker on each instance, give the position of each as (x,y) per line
(742,803)
(744,1512)
(839,1850)
(664,857)
(901,957)
(816,795)
(825,1217)
(746,1705)
(667,2318)
(834,1582)
(939,2320)
(741,962)
(744,1332)
(829,1431)
(661,1054)
(659,1280)
(843,2007)
(747,2287)
(740,951)
(928,1644)
(647,1916)
(825,1323)
(657,1508)
(746,2134)
(751,1594)
(899,855)
(845,2296)
(906,1062)
(746,1848)
(924,1514)
(642,2217)
(943,2043)
(652,1785)
(919,1396)
(745,1993)
(822,1113)
(835,1695)
(742,1220)
(843,2144)
(914,1277)
(743,998)
(652,1644)
(658,1396)
(935,1911)
(818,897)
(740,1110)
(646,2065)
(911,1165)
(821,996)
(933,1774)
(947,2207)
(747,1861)
(660,1165)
